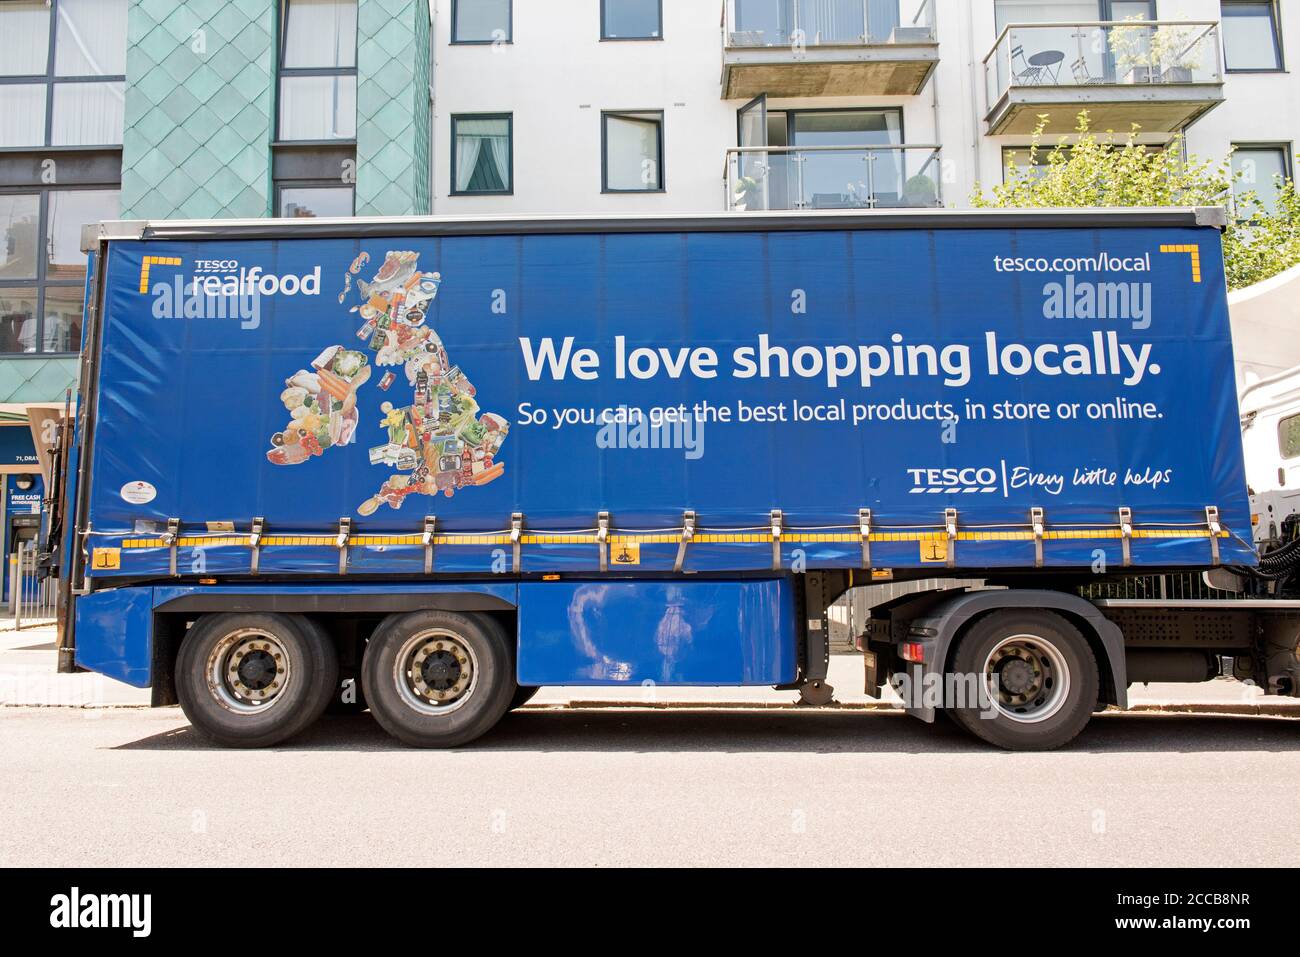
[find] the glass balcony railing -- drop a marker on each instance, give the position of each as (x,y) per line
(833,177)
(804,23)
(1083,55)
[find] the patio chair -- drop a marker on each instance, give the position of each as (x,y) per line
(1083,76)
(1026,73)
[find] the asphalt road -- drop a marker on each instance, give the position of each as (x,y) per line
(613,787)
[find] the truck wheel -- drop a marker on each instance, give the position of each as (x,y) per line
(523,695)
(1036,677)
(438,679)
(254,680)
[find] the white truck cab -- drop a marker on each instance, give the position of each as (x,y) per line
(1270,434)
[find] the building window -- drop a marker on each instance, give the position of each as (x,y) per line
(631,19)
(1260,169)
(1251,40)
(318,71)
(632,147)
(482,21)
(314,179)
(314,200)
(1018,158)
(42,268)
(482,154)
(62,77)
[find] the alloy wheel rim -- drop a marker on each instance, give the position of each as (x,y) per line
(1026,678)
(435,671)
(248,670)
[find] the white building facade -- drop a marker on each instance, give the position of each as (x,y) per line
(671,106)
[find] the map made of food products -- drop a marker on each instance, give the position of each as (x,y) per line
(439,442)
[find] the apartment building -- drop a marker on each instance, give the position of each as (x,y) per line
(679,105)
(244,108)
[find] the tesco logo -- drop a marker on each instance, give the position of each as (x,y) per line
(968,481)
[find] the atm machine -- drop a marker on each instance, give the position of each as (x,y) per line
(21,517)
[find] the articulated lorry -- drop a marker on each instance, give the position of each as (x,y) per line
(441,463)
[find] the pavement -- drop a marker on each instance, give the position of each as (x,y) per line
(622,786)
(676,776)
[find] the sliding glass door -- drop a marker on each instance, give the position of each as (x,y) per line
(753,163)
(834,171)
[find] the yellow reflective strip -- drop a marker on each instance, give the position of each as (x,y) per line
(707,538)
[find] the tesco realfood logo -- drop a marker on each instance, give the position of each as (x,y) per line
(223,289)
(968,481)
(225,277)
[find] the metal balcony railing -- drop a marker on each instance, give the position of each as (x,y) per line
(751,24)
(833,177)
(1103,54)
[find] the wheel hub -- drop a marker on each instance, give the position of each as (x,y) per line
(1027,678)
(441,670)
(257,670)
(248,670)
(435,671)
(1017,676)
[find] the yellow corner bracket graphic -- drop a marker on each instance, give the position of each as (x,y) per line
(154,261)
(1195,252)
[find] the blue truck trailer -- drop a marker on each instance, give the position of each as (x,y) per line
(450,461)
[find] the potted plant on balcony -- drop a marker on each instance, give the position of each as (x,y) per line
(920,190)
(1154,54)
(1177,50)
(1131,46)
(748,191)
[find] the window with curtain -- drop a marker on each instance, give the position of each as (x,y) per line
(1046,11)
(318,70)
(1251,42)
(25,25)
(62,84)
(90,38)
(634,152)
(81,101)
(832,21)
(42,267)
(481,21)
(482,160)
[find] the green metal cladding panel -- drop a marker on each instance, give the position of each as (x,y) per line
(393,107)
(200,101)
(37,379)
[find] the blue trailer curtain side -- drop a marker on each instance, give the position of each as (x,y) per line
(660,396)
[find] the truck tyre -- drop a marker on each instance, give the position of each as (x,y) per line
(1037,679)
(523,695)
(438,679)
(254,680)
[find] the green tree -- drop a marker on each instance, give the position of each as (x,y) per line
(1108,171)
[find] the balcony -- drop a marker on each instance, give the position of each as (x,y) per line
(763,178)
(1161,75)
(796,48)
